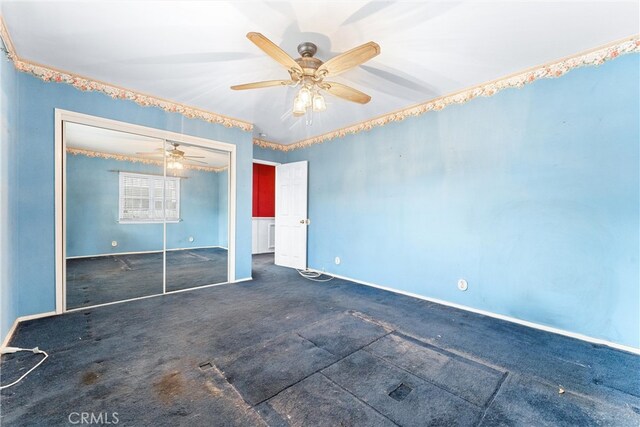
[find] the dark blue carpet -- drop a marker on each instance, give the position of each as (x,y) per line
(282,350)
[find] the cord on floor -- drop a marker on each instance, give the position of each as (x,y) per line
(35,350)
(314,275)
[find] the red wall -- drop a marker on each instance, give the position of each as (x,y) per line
(264,190)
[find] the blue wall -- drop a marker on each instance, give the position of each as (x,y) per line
(8,146)
(269,155)
(92,210)
(34,265)
(531,195)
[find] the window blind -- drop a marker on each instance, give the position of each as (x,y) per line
(141,198)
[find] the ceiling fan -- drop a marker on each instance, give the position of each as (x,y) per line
(175,157)
(310,72)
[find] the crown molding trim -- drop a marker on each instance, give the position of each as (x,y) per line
(123,158)
(6,39)
(50,74)
(554,69)
(263,143)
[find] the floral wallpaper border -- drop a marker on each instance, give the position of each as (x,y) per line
(263,143)
(123,158)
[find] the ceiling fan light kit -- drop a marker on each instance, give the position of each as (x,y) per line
(175,157)
(174,164)
(308,99)
(310,72)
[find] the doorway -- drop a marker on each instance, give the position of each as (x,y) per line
(280,218)
(263,217)
(141,212)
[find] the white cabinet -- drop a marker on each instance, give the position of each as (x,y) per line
(263,233)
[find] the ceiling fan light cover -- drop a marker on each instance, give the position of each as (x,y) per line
(318,103)
(299,106)
(174,164)
(305,96)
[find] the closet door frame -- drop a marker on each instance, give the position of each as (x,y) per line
(62,116)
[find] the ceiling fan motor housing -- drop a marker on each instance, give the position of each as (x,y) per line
(306,49)
(307,62)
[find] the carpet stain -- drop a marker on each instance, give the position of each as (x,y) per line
(215,391)
(169,387)
(90,377)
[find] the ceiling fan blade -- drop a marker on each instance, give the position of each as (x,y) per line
(195,161)
(345,92)
(267,83)
(193,157)
(274,51)
(349,59)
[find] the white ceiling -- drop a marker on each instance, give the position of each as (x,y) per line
(131,145)
(192,51)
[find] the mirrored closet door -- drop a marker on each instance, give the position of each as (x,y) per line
(143,216)
(197,200)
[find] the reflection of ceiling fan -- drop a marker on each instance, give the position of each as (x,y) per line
(309,72)
(175,157)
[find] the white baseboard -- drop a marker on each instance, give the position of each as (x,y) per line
(246,279)
(16,322)
(494,315)
(10,333)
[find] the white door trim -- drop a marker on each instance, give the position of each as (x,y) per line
(60,184)
(266,162)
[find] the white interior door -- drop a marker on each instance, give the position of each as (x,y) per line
(291,215)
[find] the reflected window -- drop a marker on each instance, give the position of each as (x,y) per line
(141,198)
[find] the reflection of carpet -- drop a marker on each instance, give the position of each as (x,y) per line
(103,279)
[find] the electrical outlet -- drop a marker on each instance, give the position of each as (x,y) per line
(462,285)
(337,260)
(114,243)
